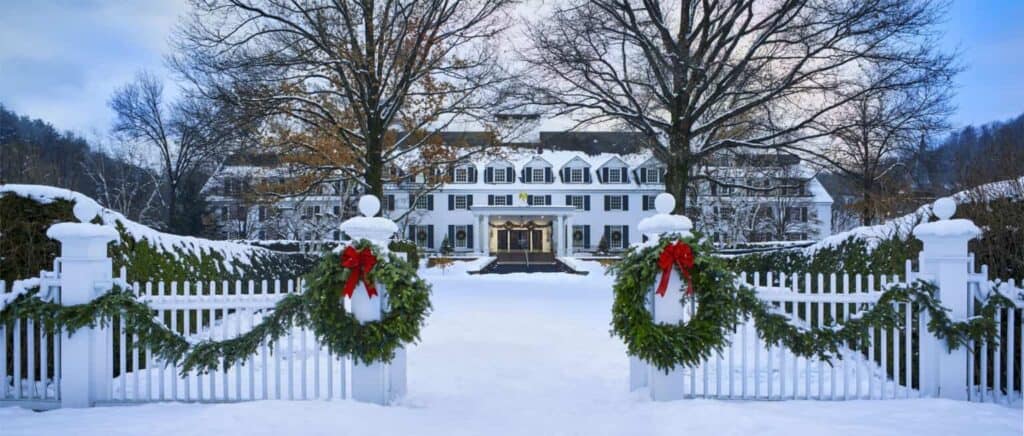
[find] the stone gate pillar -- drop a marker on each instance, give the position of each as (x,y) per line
(377,382)
(944,260)
(83,264)
(668,309)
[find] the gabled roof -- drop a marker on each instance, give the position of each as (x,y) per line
(614,160)
(535,159)
(576,159)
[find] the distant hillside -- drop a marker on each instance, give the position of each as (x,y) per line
(33,152)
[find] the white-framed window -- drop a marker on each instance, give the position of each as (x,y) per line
(578,235)
(422,203)
(460,202)
(615,202)
(616,237)
(539,200)
(421,236)
(576,175)
(499,200)
(615,175)
(461,236)
(499,175)
(537,175)
(461,175)
(653,175)
(577,201)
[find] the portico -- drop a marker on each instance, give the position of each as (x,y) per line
(524,229)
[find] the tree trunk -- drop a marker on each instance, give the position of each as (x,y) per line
(677,174)
(374,177)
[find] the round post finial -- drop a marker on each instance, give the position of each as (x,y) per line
(944,208)
(371,227)
(369,205)
(664,203)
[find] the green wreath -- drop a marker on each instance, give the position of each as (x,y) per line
(408,301)
(668,345)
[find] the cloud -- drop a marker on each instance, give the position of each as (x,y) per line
(61,60)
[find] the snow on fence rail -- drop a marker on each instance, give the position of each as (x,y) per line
(296,368)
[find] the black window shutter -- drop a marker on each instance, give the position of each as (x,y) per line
(451,235)
(643,175)
(469,236)
(643,203)
(625,202)
(469,201)
(568,200)
(412,232)
(604,175)
(564,174)
(586,236)
(391,202)
(586,175)
(803,214)
(430,201)
(451,202)
(472,174)
(412,201)
(524,175)
(488,175)
(608,235)
(586,202)
(430,236)
(625,236)
(548,177)
(490,200)
(607,202)
(509,175)
(529,200)
(625,175)
(547,201)
(508,200)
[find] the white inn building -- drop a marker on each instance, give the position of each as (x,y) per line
(570,194)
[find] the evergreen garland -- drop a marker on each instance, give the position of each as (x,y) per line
(687,344)
(320,307)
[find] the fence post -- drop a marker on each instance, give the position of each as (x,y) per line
(83,262)
(377,382)
(944,261)
(665,385)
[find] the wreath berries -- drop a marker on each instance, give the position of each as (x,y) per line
(408,304)
(686,343)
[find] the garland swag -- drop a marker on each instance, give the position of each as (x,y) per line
(320,308)
(723,303)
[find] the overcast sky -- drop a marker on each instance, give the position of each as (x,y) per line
(61,59)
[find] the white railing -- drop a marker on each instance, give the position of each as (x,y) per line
(296,368)
(29,355)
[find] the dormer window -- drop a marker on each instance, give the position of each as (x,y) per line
(653,175)
(576,175)
(615,176)
(499,176)
(538,175)
(462,175)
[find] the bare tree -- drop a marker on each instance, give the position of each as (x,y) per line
(123,181)
(350,87)
(186,134)
(872,136)
(700,76)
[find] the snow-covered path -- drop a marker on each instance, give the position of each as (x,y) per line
(524,355)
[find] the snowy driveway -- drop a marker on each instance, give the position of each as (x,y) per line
(524,355)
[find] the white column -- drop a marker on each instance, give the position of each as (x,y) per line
(487,234)
(568,236)
(556,238)
(944,260)
(83,264)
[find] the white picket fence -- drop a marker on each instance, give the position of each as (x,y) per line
(296,368)
(30,368)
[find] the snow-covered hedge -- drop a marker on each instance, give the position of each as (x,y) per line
(26,211)
(998,208)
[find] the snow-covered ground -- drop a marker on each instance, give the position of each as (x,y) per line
(524,355)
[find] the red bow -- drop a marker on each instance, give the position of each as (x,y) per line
(360,262)
(678,253)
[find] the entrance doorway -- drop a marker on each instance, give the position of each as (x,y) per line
(521,240)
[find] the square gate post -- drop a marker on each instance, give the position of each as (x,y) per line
(945,260)
(83,263)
